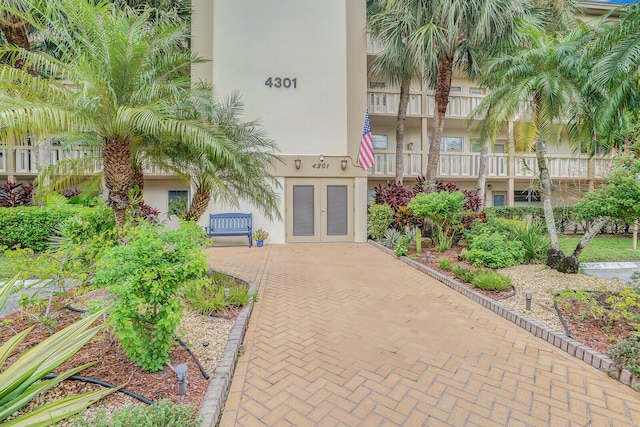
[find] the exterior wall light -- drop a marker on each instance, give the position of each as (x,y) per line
(489,187)
(343,164)
(322,157)
(297,162)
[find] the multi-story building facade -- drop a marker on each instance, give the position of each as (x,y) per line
(301,69)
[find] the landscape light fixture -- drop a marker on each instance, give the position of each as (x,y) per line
(529,297)
(181,378)
(297,163)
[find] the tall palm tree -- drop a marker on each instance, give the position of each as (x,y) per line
(396,64)
(538,86)
(116,79)
(457,35)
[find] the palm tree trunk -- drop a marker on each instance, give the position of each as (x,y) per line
(402,116)
(443,89)
(138,178)
(15,31)
(545,183)
(199,204)
(118,176)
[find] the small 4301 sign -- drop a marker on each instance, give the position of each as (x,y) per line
(285,82)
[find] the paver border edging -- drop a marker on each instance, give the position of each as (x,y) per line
(216,395)
(565,343)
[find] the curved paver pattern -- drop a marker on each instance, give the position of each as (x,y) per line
(344,334)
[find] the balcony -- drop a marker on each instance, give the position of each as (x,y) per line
(386,102)
(467,165)
(26,160)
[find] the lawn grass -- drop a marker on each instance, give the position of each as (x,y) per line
(7,270)
(602,249)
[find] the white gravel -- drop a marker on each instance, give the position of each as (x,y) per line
(544,283)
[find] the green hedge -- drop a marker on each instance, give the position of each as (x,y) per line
(32,226)
(566,217)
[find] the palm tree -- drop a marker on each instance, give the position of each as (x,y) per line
(396,64)
(457,35)
(615,74)
(116,80)
(538,86)
(249,179)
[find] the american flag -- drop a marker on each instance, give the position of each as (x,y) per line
(365,156)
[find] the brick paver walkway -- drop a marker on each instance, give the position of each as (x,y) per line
(344,334)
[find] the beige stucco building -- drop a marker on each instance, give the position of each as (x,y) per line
(301,70)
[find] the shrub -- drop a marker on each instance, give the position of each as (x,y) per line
(32,226)
(493,250)
(378,220)
(393,194)
(13,194)
(444,264)
(444,210)
(144,276)
(163,413)
(532,236)
(490,281)
(626,354)
(463,274)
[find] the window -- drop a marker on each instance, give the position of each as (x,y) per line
(448,143)
(178,202)
(526,197)
(377,85)
(379,142)
(498,147)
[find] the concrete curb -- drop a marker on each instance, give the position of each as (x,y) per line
(216,395)
(569,345)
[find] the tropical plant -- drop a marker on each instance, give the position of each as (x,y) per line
(493,249)
(13,194)
(94,94)
(397,64)
(446,35)
(539,84)
(391,237)
(21,380)
(260,234)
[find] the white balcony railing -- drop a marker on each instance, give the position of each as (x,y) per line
(386,164)
(460,106)
(467,165)
(25,161)
(387,103)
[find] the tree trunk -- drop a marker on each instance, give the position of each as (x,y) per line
(443,89)
(402,116)
(595,228)
(138,178)
(545,184)
(118,176)
(482,174)
(199,204)
(15,31)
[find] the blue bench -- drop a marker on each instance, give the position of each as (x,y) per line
(230,224)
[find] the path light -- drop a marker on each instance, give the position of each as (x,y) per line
(426,256)
(529,296)
(181,378)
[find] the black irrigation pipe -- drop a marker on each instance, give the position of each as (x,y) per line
(512,294)
(195,359)
(564,322)
(104,384)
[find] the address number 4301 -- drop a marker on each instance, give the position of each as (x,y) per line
(285,82)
